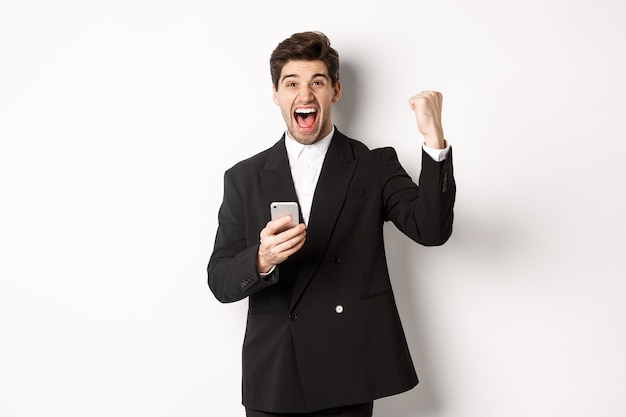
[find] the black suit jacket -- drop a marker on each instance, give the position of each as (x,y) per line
(323,330)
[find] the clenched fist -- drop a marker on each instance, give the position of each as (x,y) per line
(427,108)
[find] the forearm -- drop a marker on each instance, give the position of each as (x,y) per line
(435,208)
(234,277)
(423,212)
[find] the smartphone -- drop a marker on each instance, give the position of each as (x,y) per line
(284,208)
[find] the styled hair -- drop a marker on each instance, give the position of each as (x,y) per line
(305,46)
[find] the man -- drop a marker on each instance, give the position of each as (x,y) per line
(323,333)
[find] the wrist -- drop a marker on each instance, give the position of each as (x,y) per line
(435,140)
(261,266)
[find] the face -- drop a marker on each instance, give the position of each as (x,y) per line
(305,95)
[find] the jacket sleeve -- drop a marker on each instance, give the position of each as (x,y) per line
(424,212)
(232,273)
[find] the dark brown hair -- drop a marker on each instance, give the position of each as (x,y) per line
(305,46)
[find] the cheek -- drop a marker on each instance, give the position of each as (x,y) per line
(284,102)
(286,108)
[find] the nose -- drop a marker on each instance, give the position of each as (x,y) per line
(305,93)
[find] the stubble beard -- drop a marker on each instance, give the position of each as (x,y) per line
(307,138)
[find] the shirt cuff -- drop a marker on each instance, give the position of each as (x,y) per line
(264,274)
(437,155)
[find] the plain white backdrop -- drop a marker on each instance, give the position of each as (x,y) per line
(118,119)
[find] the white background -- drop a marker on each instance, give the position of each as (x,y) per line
(118,118)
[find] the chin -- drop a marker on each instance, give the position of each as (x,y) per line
(306,138)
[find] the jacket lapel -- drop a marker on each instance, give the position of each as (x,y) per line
(337,172)
(275,176)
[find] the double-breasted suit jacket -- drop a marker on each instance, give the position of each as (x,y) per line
(323,329)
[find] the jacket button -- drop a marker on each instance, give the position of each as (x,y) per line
(245,282)
(335,259)
(293,316)
(339,309)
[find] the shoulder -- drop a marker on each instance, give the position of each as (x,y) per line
(341,140)
(257,161)
(361,150)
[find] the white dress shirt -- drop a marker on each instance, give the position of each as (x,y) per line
(306,162)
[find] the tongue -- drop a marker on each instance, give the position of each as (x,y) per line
(305,121)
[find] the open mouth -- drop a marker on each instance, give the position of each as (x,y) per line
(305,118)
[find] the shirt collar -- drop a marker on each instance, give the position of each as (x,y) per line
(295,149)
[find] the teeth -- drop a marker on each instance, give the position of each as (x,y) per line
(305,111)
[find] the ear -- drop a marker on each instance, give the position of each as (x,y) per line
(274,94)
(337,91)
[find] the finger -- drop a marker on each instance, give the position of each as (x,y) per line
(290,237)
(274,227)
(425,97)
(279,252)
(271,242)
(292,232)
(289,247)
(418,101)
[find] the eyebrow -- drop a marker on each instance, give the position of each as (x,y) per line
(319,74)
